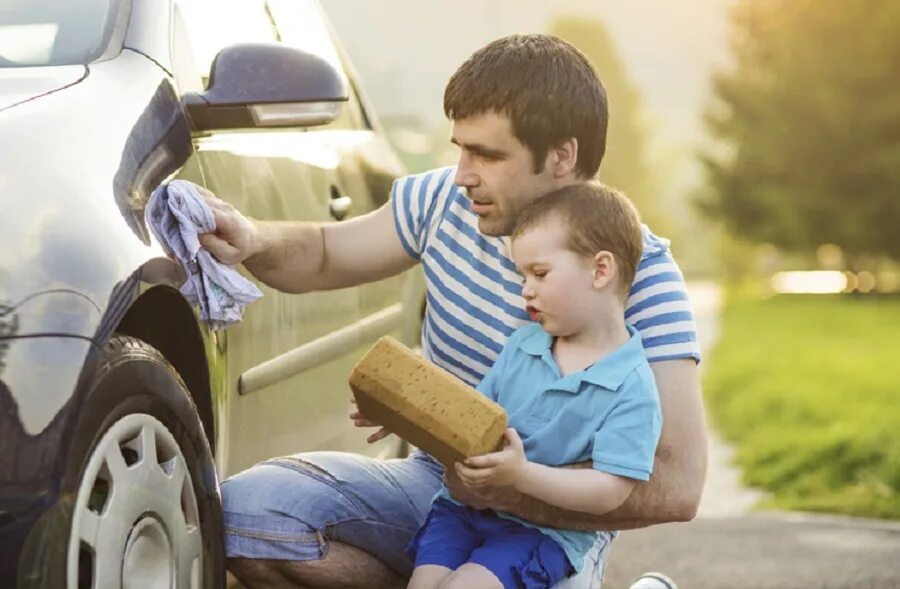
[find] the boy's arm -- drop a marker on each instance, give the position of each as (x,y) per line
(673,491)
(589,491)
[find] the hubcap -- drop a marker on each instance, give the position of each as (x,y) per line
(148,556)
(135,521)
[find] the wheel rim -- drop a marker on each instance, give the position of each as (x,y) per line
(135,521)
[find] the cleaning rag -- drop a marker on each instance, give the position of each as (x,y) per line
(177,215)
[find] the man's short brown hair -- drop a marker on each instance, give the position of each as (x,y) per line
(546,87)
(596,218)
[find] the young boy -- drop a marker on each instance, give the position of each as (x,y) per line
(577,387)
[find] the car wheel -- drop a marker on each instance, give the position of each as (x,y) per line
(146,510)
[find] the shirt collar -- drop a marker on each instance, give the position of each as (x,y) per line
(609,372)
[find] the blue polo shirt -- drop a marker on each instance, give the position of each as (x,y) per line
(608,413)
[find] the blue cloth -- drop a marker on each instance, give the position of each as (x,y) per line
(520,557)
(608,413)
(177,215)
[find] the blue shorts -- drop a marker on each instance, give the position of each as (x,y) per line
(290,508)
(521,557)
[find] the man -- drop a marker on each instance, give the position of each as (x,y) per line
(529,116)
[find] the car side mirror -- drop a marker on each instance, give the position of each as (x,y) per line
(267,85)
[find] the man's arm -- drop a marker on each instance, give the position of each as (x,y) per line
(674,489)
(300,257)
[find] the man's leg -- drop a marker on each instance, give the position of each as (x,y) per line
(341,567)
(591,575)
(328,519)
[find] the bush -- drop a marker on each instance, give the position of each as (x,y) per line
(808,389)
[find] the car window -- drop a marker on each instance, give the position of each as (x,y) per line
(54,32)
(214,24)
(302,24)
(188,76)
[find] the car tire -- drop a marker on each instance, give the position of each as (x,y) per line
(140,493)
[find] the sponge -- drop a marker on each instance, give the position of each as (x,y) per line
(424,404)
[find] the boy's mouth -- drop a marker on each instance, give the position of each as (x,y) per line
(533,313)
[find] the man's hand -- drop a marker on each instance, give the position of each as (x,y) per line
(236,237)
(505,467)
(360,420)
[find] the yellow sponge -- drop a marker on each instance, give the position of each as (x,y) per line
(425,405)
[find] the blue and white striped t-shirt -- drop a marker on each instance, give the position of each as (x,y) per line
(474,294)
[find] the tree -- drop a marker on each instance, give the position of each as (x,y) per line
(626,164)
(810,118)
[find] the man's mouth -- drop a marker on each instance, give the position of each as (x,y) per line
(481,207)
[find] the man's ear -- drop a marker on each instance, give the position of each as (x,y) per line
(605,269)
(564,158)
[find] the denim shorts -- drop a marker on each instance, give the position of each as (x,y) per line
(290,508)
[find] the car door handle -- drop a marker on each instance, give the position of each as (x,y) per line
(340,207)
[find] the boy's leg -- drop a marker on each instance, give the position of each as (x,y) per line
(428,576)
(294,509)
(471,575)
(443,544)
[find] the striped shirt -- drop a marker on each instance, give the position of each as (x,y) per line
(474,294)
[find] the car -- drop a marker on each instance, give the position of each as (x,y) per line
(120,410)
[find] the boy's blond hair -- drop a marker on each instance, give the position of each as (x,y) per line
(596,218)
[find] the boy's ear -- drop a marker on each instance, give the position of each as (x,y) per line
(564,157)
(605,269)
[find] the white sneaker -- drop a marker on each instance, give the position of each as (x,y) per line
(654,581)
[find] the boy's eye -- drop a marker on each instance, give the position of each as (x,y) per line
(540,273)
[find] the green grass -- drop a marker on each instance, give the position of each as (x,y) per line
(808,389)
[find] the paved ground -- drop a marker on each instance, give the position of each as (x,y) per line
(765,551)
(730,547)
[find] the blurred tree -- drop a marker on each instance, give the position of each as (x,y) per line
(810,119)
(626,164)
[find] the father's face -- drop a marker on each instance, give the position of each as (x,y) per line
(497,171)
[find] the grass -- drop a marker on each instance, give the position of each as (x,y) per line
(808,389)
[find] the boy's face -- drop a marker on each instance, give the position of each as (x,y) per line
(559,283)
(497,171)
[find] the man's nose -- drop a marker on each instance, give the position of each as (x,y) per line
(465,176)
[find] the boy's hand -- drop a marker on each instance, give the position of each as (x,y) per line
(360,420)
(480,498)
(502,468)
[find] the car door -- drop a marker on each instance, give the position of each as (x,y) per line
(366,168)
(278,174)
